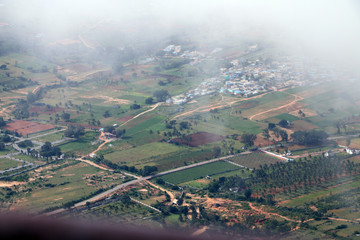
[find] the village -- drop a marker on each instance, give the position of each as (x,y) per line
(246,77)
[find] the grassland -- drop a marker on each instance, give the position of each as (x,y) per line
(6,163)
(146,151)
(199,172)
(254,160)
(59,186)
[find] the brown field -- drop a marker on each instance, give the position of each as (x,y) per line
(42,109)
(124,119)
(301,125)
(355,143)
(27,127)
(198,139)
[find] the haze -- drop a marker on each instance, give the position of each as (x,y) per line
(326,29)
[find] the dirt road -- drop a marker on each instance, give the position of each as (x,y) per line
(297,98)
(151,109)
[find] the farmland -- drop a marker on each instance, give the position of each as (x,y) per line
(254,160)
(26,127)
(199,172)
(133,110)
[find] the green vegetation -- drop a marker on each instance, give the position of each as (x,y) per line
(199,172)
(6,163)
(255,160)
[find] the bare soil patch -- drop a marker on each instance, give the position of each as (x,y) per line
(44,110)
(301,125)
(26,127)
(198,139)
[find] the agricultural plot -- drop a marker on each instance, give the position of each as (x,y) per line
(254,160)
(199,172)
(287,117)
(332,187)
(26,127)
(179,158)
(198,139)
(139,153)
(59,186)
(83,145)
(51,137)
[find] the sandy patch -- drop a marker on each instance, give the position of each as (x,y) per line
(143,190)
(10,184)
(57,199)
(306,111)
(68,175)
(109,99)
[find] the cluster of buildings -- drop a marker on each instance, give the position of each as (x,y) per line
(208,86)
(244,77)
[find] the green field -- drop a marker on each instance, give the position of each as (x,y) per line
(199,172)
(6,163)
(84,145)
(146,151)
(66,184)
(331,187)
(254,160)
(51,137)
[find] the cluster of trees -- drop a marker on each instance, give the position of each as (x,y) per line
(135,106)
(248,139)
(161,95)
(117,132)
(25,144)
(47,150)
(74,131)
(309,138)
(2,122)
(284,177)
(145,171)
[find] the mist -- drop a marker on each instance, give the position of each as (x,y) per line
(324,29)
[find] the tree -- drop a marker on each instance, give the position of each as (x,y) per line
(74,131)
(161,95)
(2,122)
(284,123)
(248,193)
(149,100)
(135,106)
(248,139)
(266,134)
(107,114)
(271,126)
(216,151)
(284,136)
(65,116)
(47,150)
(31,97)
(2,146)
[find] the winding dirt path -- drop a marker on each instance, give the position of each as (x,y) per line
(273,214)
(172,197)
(102,137)
(151,109)
(221,103)
(297,98)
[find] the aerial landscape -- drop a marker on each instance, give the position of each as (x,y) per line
(238,119)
